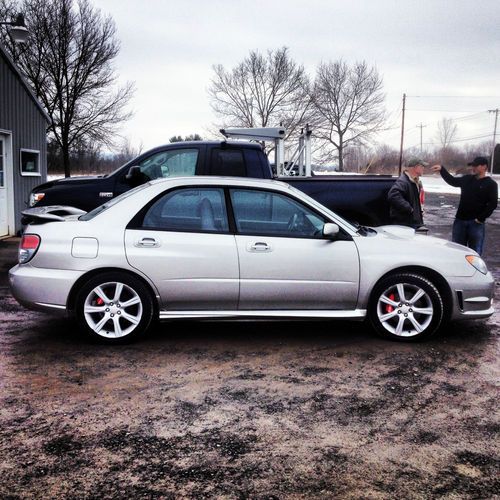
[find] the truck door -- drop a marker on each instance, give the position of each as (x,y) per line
(285,262)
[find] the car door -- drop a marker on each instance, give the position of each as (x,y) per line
(285,262)
(182,243)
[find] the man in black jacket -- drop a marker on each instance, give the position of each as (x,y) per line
(405,195)
(478,199)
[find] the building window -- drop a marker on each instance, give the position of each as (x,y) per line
(30,162)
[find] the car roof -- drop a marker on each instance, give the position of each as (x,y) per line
(226,180)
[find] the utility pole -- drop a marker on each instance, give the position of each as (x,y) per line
(494,138)
(421,126)
(402,135)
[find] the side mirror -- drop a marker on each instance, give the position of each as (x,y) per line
(133,173)
(331,230)
(135,177)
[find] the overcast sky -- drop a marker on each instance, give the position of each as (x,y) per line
(434,49)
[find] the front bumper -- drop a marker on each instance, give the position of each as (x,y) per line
(42,289)
(472,297)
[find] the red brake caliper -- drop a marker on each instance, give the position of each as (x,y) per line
(99,301)
(388,307)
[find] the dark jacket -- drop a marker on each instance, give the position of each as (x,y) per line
(404,201)
(479,197)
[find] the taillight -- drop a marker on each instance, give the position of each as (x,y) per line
(28,247)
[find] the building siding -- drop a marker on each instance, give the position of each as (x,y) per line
(20,116)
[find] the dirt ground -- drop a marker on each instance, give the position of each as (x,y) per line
(260,410)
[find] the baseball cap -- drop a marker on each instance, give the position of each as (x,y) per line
(413,162)
(478,160)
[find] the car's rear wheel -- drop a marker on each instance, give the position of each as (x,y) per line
(114,307)
(406,307)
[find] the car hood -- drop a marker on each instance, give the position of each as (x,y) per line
(73,181)
(393,247)
(405,233)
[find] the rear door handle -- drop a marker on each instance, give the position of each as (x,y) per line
(259,246)
(147,242)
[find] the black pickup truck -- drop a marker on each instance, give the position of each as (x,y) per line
(362,199)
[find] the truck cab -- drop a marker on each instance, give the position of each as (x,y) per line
(171,160)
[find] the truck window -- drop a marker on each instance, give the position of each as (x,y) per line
(170,163)
(255,166)
(228,162)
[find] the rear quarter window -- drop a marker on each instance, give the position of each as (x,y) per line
(228,162)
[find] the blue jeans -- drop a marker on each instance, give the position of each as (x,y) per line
(469,233)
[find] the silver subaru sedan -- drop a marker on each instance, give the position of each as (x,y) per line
(208,247)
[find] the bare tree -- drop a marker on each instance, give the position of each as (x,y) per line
(447,130)
(68,62)
(349,106)
(261,91)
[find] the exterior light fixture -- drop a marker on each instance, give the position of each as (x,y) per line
(17,30)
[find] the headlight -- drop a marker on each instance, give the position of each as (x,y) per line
(35,198)
(477,262)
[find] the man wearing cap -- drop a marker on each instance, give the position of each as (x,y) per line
(478,199)
(405,195)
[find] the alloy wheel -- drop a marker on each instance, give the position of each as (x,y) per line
(405,310)
(113,310)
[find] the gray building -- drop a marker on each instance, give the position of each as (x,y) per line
(23,144)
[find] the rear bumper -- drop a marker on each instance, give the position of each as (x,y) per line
(42,289)
(472,297)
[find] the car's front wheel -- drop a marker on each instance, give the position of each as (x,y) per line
(114,307)
(406,307)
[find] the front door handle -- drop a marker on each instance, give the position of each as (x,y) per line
(147,242)
(259,246)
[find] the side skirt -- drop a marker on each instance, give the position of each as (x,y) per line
(356,314)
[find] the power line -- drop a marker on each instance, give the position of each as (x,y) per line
(459,96)
(445,110)
(467,116)
(471,138)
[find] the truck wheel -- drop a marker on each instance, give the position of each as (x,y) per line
(406,307)
(114,308)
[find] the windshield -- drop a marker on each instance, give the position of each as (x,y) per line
(102,208)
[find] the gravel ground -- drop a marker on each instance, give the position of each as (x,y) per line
(256,410)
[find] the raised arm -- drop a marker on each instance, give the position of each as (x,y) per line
(450,179)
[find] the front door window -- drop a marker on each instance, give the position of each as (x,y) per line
(269,213)
(170,163)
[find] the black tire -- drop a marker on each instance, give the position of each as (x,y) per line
(418,317)
(114,308)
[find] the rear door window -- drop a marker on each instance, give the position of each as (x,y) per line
(188,209)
